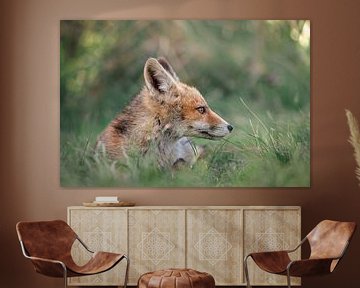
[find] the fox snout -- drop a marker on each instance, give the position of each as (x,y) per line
(210,130)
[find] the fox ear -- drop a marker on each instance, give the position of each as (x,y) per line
(156,77)
(166,65)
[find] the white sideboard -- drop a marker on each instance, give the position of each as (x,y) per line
(212,239)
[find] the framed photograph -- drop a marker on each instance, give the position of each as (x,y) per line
(185,103)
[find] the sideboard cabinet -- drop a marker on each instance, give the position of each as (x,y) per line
(211,239)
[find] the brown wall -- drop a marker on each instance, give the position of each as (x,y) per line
(29,111)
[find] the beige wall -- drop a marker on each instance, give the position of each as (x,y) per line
(29,111)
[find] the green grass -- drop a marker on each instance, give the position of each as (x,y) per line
(263,151)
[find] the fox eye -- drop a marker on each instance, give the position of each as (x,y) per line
(201,109)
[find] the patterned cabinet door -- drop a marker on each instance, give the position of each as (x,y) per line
(101,230)
(156,240)
(214,244)
(270,230)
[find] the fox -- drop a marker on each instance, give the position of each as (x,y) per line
(165,115)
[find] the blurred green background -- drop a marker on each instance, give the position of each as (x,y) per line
(254,73)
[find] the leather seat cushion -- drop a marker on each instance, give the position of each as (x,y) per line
(176,278)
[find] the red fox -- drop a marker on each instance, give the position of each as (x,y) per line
(162,116)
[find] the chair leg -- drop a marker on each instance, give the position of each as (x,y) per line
(65,276)
(127,271)
(288,278)
(246,270)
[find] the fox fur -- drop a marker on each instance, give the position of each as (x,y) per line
(163,115)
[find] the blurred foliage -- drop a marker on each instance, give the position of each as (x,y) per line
(102,63)
(266,63)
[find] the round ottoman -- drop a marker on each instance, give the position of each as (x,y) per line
(176,278)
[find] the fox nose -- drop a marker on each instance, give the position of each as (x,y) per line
(230,128)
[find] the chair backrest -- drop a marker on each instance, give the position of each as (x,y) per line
(329,239)
(46,239)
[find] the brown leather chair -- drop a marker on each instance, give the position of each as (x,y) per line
(48,245)
(328,242)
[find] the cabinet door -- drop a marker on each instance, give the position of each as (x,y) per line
(214,244)
(101,230)
(270,230)
(156,240)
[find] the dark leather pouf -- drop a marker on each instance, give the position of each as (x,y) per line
(176,278)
